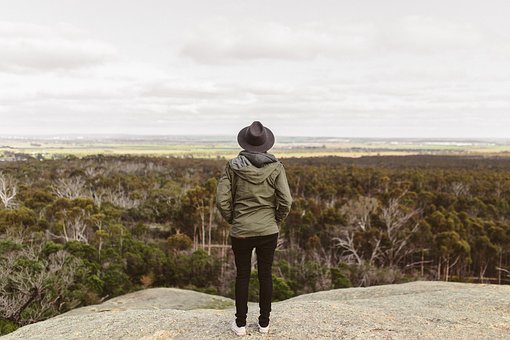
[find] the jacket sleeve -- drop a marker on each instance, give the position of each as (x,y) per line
(224,195)
(283,196)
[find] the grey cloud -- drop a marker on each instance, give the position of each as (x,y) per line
(165,88)
(29,48)
(428,34)
(400,75)
(157,98)
(226,41)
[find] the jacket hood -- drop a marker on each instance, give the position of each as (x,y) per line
(259,159)
(254,167)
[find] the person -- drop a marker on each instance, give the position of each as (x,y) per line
(253,196)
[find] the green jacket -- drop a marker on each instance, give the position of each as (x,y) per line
(253,194)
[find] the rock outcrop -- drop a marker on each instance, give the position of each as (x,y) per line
(414,310)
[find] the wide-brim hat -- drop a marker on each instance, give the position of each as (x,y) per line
(256,137)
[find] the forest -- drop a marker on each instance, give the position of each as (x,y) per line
(78,231)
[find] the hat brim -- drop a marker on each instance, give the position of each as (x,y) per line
(258,148)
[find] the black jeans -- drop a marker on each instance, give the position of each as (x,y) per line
(264,247)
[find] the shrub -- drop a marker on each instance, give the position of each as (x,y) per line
(366,275)
(180,242)
(7,327)
(281,290)
(340,277)
(199,269)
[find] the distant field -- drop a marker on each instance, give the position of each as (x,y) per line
(215,147)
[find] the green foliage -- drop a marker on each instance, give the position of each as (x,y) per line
(38,284)
(51,247)
(7,327)
(38,199)
(463,222)
(199,269)
(305,276)
(208,290)
(340,277)
(115,281)
(180,242)
(17,219)
(449,243)
(369,275)
(82,250)
(281,289)
(141,258)
(8,245)
(95,283)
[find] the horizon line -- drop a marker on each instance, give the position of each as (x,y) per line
(233,136)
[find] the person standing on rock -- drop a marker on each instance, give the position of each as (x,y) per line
(253,196)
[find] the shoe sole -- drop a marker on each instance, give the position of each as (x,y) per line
(263,329)
(236,332)
(240,334)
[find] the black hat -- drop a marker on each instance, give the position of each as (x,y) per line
(255,137)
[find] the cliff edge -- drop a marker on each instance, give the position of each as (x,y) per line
(414,310)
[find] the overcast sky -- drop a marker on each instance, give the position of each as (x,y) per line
(303,68)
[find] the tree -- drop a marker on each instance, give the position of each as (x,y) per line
(8,190)
(396,220)
(360,243)
(69,187)
(34,287)
(450,245)
(72,219)
(211,189)
(199,203)
(358,214)
(74,225)
(118,197)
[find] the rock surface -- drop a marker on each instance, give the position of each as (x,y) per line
(414,310)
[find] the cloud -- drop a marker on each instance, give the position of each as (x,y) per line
(223,41)
(417,34)
(27,48)
(412,74)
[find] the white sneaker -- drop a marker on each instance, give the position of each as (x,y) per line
(238,330)
(263,329)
